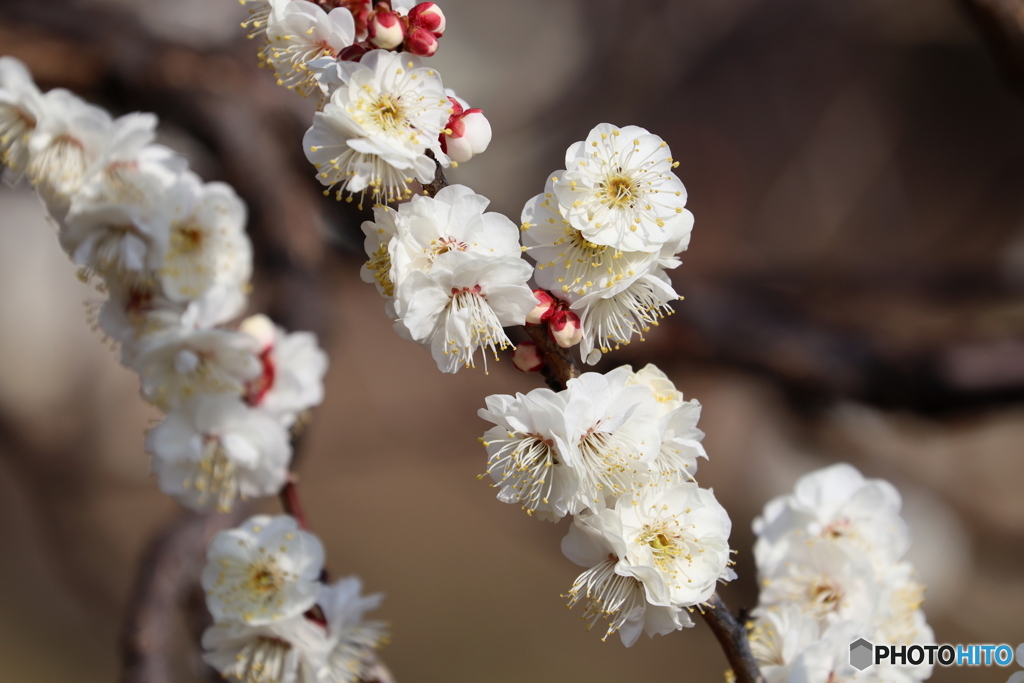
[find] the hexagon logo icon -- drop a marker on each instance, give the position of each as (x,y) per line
(861,654)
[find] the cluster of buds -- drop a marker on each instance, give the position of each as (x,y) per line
(416,32)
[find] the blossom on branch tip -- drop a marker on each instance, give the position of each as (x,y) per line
(213,449)
(618,189)
(264,571)
(374,134)
(21,107)
(385,28)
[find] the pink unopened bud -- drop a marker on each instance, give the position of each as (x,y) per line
(545,308)
(564,328)
(421,42)
(429,16)
(527,357)
(471,134)
(385,28)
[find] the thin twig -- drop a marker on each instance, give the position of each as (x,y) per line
(291,502)
(732,636)
(559,364)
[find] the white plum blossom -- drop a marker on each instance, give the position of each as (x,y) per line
(290,650)
(177,366)
(462,304)
(453,220)
(374,134)
(213,449)
(680,438)
(353,640)
(611,436)
(264,571)
(208,259)
(302,34)
(263,14)
(379,244)
(648,561)
(569,264)
(64,145)
(778,638)
(619,190)
(834,504)
(21,108)
(611,322)
(293,367)
(525,452)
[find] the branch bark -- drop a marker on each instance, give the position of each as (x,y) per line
(732,636)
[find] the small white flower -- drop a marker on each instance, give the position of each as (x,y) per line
(778,637)
(21,108)
(374,133)
(287,651)
(292,373)
(525,452)
(353,640)
(569,264)
(64,145)
(213,449)
(208,259)
(680,439)
(264,571)
(610,322)
(263,14)
(454,220)
(379,244)
(136,310)
(611,594)
(834,504)
(619,189)
(305,33)
(462,304)
(177,366)
(611,435)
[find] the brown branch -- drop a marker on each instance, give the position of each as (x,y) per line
(559,364)
(291,502)
(732,636)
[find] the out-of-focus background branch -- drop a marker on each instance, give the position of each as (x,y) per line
(854,291)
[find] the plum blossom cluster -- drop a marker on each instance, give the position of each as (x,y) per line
(452,273)
(603,233)
(275,619)
(618,451)
(171,253)
(383,119)
(830,561)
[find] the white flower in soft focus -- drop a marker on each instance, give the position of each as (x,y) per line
(64,145)
(611,594)
(619,190)
(177,366)
(265,570)
(21,108)
(374,133)
(462,304)
(823,581)
(569,264)
(834,504)
(611,322)
(304,33)
(778,637)
(263,14)
(680,439)
(900,620)
(525,452)
(287,651)
(213,449)
(611,435)
(353,640)
(134,311)
(292,370)
(208,259)
(453,220)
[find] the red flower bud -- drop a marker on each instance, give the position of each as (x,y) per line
(385,28)
(421,42)
(527,357)
(565,329)
(429,16)
(546,307)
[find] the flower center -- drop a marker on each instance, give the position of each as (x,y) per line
(619,191)
(389,113)
(446,244)
(264,577)
(666,544)
(215,475)
(588,248)
(187,237)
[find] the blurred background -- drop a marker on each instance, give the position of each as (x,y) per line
(854,291)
